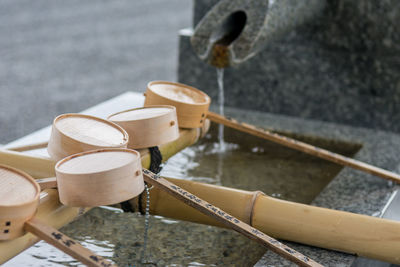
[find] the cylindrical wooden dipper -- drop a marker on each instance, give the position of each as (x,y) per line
(75,133)
(191,104)
(99,177)
(148,126)
(19,199)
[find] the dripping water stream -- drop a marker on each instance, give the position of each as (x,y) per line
(220,80)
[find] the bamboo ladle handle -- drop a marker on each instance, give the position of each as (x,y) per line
(47,183)
(227,219)
(304,147)
(60,240)
(65,243)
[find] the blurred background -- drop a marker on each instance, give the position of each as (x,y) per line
(65,56)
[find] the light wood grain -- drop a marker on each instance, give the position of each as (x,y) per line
(178,93)
(148,126)
(37,167)
(46,183)
(28,147)
(75,133)
(15,189)
(19,198)
(142,113)
(363,235)
(89,130)
(304,147)
(191,104)
(99,177)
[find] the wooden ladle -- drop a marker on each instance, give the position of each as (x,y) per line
(191,103)
(19,200)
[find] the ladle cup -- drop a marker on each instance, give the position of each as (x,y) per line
(148,126)
(191,104)
(75,133)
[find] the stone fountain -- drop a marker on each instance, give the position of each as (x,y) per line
(330,65)
(330,60)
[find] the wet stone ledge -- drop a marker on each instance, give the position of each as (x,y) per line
(351,190)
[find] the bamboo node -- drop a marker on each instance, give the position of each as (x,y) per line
(256,194)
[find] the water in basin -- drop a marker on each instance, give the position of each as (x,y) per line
(248,163)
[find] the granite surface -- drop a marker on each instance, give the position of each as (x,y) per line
(350,190)
(343,67)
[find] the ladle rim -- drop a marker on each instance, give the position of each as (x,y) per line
(62,161)
(146,107)
(27,177)
(207,99)
(125,138)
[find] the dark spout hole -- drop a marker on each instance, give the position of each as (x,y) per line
(230,29)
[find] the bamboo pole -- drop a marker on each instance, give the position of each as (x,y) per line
(227,219)
(47,183)
(37,167)
(363,235)
(304,147)
(50,210)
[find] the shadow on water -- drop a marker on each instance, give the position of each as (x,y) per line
(249,163)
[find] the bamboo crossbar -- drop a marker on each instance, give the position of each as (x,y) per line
(304,147)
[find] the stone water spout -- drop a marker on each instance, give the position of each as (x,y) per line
(235,30)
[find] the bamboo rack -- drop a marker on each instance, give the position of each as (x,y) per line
(50,210)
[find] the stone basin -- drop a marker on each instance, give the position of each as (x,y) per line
(350,190)
(173,242)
